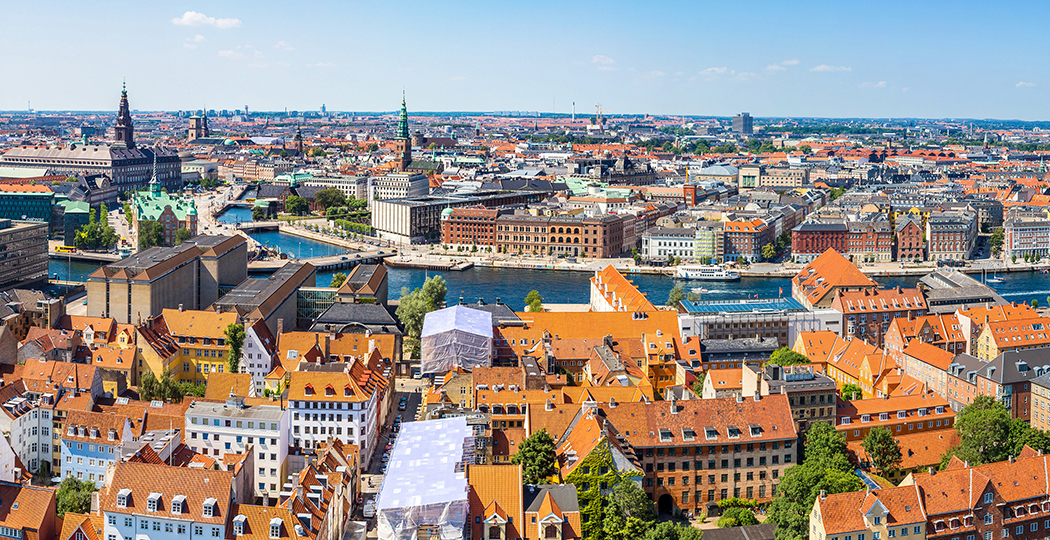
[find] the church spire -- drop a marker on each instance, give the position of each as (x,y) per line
(402,120)
(125,129)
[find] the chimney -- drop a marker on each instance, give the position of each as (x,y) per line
(548,406)
(180,307)
(280,326)
(674,404)
(612,403)
(1010,459)
(758,396)
(823,495)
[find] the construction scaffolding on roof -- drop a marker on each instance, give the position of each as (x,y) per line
(456,336)
(426,487)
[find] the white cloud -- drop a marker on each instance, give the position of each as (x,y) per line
(321,65)
(284,45)
(231,55)
(599,59)
(714,71)
(678,74)
(825,67)
(1024,84)
(781,66)
(456,78)
(653,74)
(258,54)
(192,18)
(283,64)
(746,76)
(606,68)
(258,65)
(192,42)
(880,84)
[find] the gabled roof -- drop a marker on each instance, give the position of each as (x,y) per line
(825,273)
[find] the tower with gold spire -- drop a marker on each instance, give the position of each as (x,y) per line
(124,130)
(402,141)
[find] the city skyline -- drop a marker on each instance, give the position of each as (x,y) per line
(819,59)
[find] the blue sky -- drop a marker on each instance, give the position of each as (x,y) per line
(798,58)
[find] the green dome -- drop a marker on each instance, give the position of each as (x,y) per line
(192,211)
(228,142)
(446,212)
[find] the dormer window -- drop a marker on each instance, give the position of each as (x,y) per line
(329,391)
(940,409)
(884,416)
(309,390)
(711,433)
(209,507)
(122,498)
(900,415)
(275,527)
(178,502)
(347,392)
(152,502)
(844,421)
(238,524)
(733,432)
(865,418)
(756,430)
(665,435)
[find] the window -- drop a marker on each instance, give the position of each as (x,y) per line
(550,531)
(987,519)
(494,533)
(987,498)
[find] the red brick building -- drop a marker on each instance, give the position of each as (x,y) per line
(469,226)
(909,241)
(810,239)
(744,239)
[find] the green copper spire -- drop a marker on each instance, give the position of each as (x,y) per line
(124,88)
(402,121)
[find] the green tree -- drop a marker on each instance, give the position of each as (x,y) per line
(235,339)
(806,149)
(181,235)
(435,289)
(996,240)
(1035,303)
(534,302)
(784,356)
(330,196)
(985,430)
(883,450)
(317,152)
(632,501)
(74,496)
(151,233)
(258,214)
(675,297)
(164,389)
(769,251)
(372,147)
(849,392)
(411,310)
(537,458)
(669,530)
(826,467)
(737,517)
(296,205)
(337,280)
(698,384)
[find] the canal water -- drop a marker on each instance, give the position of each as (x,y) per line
(511,285)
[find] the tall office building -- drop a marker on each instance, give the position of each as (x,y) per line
(742,123)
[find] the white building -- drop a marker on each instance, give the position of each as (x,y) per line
(27,421)
(257,354)
(330,405)
(143,501)
(660,243)
(351,186)
(216,429)
(397,186)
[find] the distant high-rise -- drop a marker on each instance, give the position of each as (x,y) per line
(742,123)
(124,130)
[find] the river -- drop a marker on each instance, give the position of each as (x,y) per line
(511,285)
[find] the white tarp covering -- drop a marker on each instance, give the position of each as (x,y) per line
(456,336)
(426,483)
